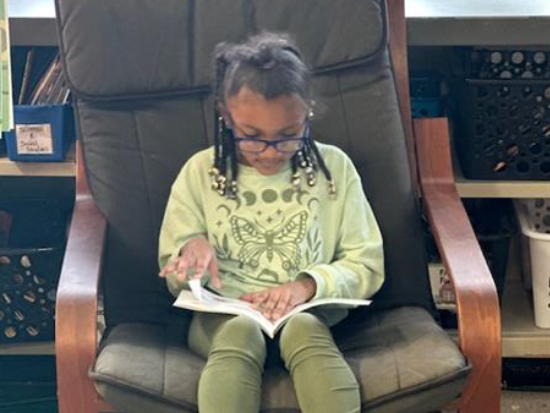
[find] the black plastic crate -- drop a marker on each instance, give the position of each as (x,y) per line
(503,129)
(507,63)
(30,263)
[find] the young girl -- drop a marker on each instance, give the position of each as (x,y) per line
(277,219)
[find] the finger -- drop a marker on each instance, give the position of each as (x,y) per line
(282,306)
(251,297)
(183,265)
(213,269)
(168,268)
(271,303)
(200,267)
(259,300)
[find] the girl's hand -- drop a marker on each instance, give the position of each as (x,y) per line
(276,302)
(198,254)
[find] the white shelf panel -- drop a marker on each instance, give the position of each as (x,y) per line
(520,336)
(468,188)
(20,349)
(59,169)
(502,189)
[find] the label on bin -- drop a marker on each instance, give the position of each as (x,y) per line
(34,139)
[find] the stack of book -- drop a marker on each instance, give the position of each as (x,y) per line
(44,123)
(51,89)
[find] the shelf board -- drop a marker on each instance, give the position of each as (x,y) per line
(20,349)
(502,189)
(59,169)
(464,22)
(469,188)
(520,336)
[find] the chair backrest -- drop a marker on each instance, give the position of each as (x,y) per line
(141,71)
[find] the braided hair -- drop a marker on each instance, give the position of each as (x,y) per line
(272,66)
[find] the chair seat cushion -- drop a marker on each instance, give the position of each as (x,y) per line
(404,361)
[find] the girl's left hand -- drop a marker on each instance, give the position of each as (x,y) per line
(276,302)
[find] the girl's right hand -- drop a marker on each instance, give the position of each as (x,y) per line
(198,254)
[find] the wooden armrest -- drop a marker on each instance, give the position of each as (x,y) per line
(76,305)
(476,295)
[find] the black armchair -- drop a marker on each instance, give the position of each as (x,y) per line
(140,74)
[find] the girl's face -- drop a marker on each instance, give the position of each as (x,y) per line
(250,115)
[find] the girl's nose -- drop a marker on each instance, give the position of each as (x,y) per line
(270,152)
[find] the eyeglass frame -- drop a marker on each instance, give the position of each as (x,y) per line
(275,142)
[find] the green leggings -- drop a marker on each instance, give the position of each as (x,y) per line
(235,348)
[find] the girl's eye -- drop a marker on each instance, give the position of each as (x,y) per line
(251,136)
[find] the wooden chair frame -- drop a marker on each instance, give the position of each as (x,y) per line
(429,152)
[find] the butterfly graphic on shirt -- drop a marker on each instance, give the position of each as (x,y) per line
(282,241)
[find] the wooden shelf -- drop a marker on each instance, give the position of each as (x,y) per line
(520,336)
(20,349)
(27,169)
(468,188)
(464,22)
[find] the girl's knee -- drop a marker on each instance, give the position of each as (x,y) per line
(242,335)
(304,330)
(303,325)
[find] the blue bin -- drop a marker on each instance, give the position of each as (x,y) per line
(43,133)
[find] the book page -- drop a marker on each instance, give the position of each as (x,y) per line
(338,302)
(200,299)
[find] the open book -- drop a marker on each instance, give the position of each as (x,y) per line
(200,299)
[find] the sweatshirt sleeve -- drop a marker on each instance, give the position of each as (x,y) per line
(357,269)
(183,219)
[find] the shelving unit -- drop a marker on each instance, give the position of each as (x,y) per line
(468,188)
(28,349)
(520,336)
(51,169)
(465,23)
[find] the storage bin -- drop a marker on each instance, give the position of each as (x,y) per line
(503,129)
(534,219)
(42,133)
(509,63)
(30,263)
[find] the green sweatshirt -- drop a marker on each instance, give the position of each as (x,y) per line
(272,234)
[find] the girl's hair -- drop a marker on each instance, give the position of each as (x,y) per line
(271,65)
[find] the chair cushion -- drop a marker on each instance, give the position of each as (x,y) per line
(405,361)
(165,51)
